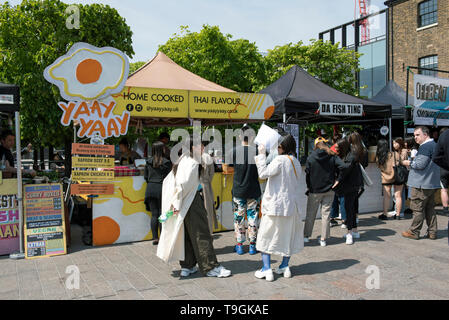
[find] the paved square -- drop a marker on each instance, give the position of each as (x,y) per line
(408,269)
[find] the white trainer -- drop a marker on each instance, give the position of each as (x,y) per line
(349,239)
(306,239)
(322,243)
(391,214)
(285,271)
(267,274)
(343,226)
(187,272)
(219,272)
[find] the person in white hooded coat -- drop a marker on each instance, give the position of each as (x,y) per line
(281,227)
(185,233)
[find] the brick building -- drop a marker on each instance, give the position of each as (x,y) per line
(418,35)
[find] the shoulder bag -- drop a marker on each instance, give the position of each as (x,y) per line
(400,172)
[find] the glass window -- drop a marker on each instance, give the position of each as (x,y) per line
(427,13)
(430,62)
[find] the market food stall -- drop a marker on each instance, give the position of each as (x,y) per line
(301,98)
(162,93)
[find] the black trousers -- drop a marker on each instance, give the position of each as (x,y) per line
(155,208)
(197,238)
(351,206)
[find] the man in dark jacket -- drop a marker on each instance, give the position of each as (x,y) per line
(321,170)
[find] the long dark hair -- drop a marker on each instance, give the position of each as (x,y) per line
(382,152)
(189,153)
(355,139)
(157,152)
(343,148)
(401,144)
(287,143)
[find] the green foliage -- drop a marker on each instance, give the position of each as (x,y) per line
(234,64)
(334,66)
(133,67)
(32,36)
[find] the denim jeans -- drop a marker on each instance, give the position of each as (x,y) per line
(338,202)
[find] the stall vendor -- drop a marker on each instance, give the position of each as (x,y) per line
(127,156)
(7,140)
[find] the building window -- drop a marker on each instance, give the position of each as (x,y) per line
(427,13)
(430,62)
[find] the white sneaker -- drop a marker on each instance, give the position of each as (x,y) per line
(391,214)
(322,243)
(267,274)
(187,272)
(349,239)
(355,235)
(219,272)
(306,239)
(285,271)
(343,226)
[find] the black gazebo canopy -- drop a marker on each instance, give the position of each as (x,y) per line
(393,94)
(299,94)
(9,97)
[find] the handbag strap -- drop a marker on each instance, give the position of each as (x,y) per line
(294,168)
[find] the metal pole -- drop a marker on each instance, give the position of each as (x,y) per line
(389,132)
(19,189)
(406,104)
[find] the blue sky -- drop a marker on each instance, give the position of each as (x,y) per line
(268,23)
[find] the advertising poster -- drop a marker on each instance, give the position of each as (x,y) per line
(431,101)
(44,220)
(9,217)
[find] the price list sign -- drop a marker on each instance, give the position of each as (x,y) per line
(44,220)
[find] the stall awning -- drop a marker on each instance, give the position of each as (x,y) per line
(299,94)
(393,94)
(9,97)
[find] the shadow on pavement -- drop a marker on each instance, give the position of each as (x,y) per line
(322,266)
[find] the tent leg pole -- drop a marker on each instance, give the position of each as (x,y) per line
(389,132)
(20,255)
(284,118)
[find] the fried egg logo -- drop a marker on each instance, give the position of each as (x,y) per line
(87,72)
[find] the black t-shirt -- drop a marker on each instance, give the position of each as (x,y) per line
(8,155)
(246,179)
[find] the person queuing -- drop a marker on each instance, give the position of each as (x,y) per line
(424,179)
(281,226)
(156,169)
(321,171)
(245,193)
(127,156)
(441,158)
(185,233)
(338,205)
(164,137)
(359,149)
(348,184)
(207,174)
(386,161)
(400,147)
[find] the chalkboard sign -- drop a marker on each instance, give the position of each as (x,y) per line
(44,220)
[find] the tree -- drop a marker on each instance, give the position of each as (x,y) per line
(32,36)
(234,64)
(334,66)
(133,67)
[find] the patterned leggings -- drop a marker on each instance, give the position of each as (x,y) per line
(250,208)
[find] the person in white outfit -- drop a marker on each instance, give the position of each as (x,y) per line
(281,228)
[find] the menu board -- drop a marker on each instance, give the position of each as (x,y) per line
(44,220)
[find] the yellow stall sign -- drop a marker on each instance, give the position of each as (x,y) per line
(92,162)
(85,175)
(230,105)
(152,102)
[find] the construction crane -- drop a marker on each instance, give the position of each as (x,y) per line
(364,24)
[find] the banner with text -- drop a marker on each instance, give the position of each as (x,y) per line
(431,101)
(9,217)
(153,102)
(340,109)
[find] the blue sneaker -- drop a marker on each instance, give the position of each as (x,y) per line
(239,249)
(252,249)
